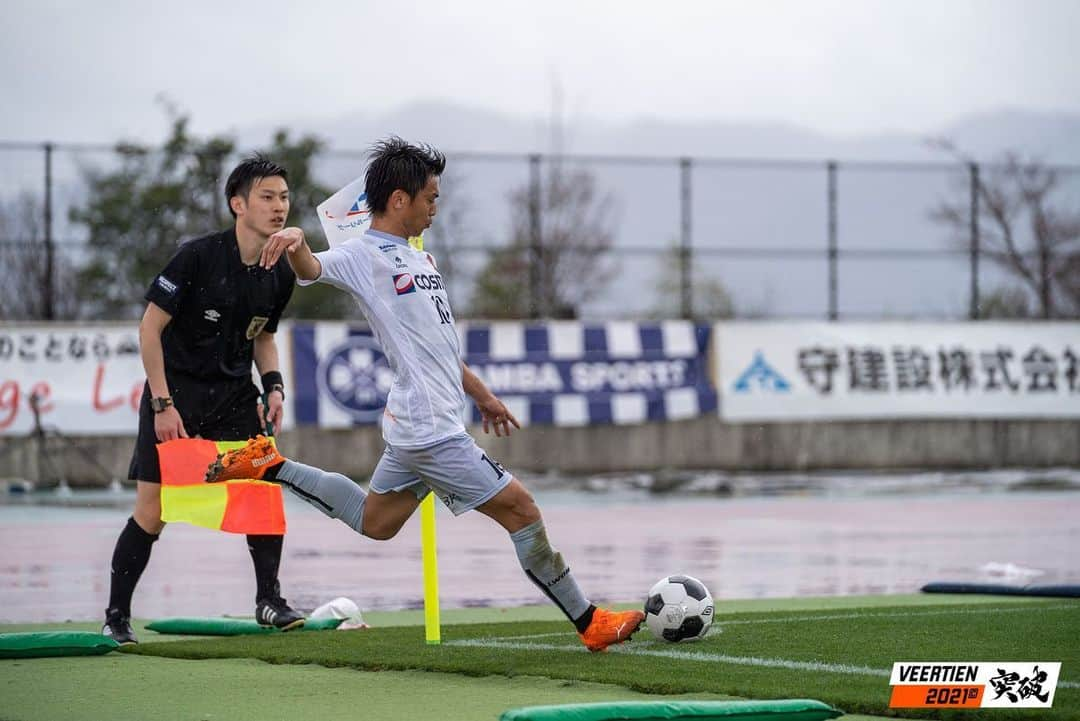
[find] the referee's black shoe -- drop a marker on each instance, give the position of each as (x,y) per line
(275,612)
(118,628)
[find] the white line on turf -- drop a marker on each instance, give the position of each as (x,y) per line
(691,656)
(721,622)
(685,656)
(516,642)
(902,614)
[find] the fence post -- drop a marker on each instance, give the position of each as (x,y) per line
(685,250)
(833,251)
(535,242)
(49,306)
(973,312)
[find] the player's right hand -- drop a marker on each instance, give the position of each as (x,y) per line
(168,425)
(286,239)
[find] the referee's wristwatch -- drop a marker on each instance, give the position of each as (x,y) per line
(157,405)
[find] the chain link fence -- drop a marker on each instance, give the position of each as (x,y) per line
(671,237)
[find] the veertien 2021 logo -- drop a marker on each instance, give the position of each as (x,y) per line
(974,684)
(356,377)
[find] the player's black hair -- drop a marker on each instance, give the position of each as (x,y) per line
(398,165)
(243,176)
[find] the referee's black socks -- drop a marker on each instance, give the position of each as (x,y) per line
(130,557)
(266,555)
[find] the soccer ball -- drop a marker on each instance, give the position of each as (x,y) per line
(679,608)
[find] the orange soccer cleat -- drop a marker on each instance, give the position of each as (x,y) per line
(610,627)
(249,462)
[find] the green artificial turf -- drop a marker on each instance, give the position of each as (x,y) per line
(122,687)
(743,657)
(388,672)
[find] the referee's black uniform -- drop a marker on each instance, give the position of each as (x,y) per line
(218,305)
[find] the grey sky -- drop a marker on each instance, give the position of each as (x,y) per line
(91,71)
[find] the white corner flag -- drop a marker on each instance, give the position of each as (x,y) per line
(345,214)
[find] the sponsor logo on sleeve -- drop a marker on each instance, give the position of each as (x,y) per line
(166,285)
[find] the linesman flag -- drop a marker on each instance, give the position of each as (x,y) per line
(231,506)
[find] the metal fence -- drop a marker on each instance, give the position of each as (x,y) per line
(772,238)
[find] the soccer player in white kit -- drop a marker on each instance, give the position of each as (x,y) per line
(400,292)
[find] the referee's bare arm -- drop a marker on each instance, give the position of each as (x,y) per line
(167,424)
(266,360)
(303,261)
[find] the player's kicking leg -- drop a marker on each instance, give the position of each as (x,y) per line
(516,511)
(334,494)
(512,506)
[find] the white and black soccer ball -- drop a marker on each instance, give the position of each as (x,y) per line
(679,608)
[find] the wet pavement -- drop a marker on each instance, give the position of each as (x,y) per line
(55,560)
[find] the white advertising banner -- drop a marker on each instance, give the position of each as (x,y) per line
(784,371)
(85,379)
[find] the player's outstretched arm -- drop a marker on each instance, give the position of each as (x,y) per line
(493,412)
(291,242)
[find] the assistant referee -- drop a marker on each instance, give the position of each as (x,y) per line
(210,313)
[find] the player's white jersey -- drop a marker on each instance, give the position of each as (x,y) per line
(401,294)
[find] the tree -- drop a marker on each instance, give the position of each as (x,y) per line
(710,299)
(570,263)
(138,214)
(1024,226)
(23,285)
(1007,302)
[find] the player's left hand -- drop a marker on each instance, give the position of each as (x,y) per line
(495,414)
(275,405)
(286,239)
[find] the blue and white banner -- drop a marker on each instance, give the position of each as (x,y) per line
(573,374)
(562,373)
(340,376)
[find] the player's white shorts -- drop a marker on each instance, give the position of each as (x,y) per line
(457,469)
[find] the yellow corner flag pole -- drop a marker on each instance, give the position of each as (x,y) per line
(432,628)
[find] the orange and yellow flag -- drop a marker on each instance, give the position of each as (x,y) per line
(232,506)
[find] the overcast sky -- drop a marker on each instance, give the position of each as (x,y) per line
(90,71)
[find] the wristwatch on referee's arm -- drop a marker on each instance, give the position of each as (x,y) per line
(157,405)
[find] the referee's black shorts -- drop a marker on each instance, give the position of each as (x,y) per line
(215,410)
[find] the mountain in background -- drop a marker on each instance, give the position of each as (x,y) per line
(1052,136)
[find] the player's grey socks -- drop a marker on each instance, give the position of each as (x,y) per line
(546,568)
(332,493)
